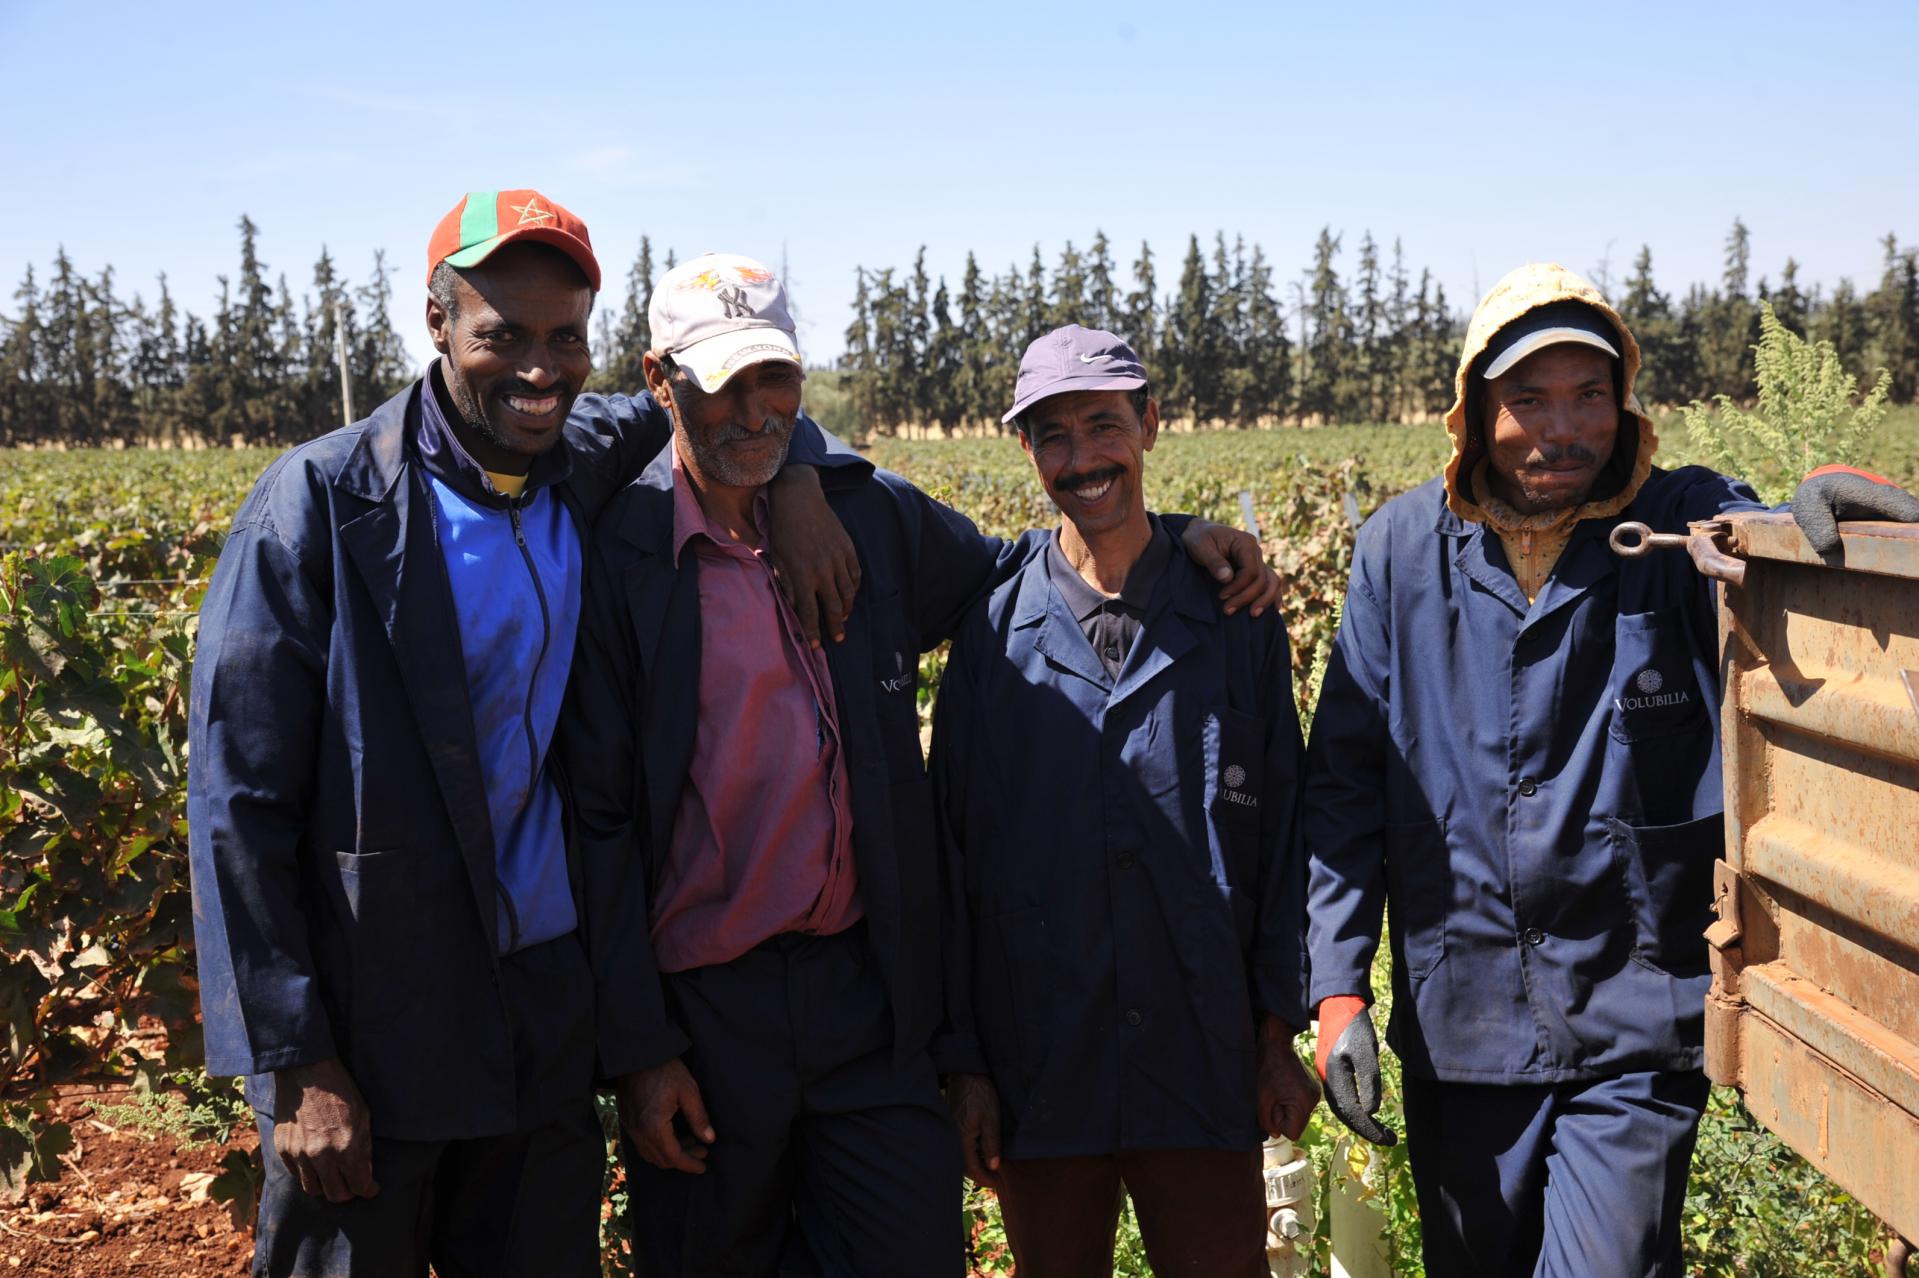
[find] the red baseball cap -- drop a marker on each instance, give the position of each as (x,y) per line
(484,220)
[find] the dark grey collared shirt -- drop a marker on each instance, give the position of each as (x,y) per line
(1111,622)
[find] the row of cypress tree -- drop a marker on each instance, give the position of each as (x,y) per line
(80,365)
(1229,343)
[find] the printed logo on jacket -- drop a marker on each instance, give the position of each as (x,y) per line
(1648,683)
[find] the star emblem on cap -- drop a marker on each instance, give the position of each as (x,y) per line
(531,212)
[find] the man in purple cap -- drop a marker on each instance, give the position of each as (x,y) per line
(1115,763)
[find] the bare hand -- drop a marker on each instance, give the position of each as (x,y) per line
(652,1102)
(1234,559)
(1284,1087)
(975,1106)
(813,558)
(323,1132)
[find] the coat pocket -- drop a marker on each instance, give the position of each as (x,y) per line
(384,925)
(1655,689)
(1668,874)
(1234,745)
(1012,988)
(1419,891)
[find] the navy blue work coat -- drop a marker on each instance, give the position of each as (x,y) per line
(342,854)
(1125,888)
(628,739)
(1533,789)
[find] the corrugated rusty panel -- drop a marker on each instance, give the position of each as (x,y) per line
(1815,1002)
(1841,1126)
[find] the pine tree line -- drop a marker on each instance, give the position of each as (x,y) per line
(79,365)
(1224,347)
(1229,344)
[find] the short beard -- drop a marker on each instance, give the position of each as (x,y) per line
(1540,503)
(718,468)
(476,420)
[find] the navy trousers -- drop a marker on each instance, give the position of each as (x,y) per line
(829,1157)
(1575,1180)
(498,1206)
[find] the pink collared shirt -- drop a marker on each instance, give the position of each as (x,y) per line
(762,841)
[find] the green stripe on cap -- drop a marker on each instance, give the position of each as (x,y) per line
(480,219)
(479,227)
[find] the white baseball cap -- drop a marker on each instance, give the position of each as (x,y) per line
(719,313)
(1552,325)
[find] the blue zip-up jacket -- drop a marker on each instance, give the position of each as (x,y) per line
(345,877)
(1124,886)
(514,568)
(1531,789)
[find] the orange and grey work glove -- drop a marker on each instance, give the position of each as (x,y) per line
(1833,493)
(1349,1066)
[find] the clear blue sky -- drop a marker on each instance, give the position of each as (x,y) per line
(1482,136)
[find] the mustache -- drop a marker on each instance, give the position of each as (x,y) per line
(1562,454)
(774,427)
(1088,478)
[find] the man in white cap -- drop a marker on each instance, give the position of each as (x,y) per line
(756,829)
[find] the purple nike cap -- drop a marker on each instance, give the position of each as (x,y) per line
(1074,359)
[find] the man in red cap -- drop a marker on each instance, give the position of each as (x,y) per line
(392,944)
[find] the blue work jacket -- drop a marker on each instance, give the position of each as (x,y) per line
(627,739)
(1532,789)
(1125,888)
(343,860)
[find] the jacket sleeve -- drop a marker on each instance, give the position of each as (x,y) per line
(1343,817)
(956,1046)
(951,563)
(1279,955)
(258,691)
(637,428)
(600,752)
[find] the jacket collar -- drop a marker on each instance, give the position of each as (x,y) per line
(379,458)
(1586,562)
(1183,594)
(414,601)
(447,460)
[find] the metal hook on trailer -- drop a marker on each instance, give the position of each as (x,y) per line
(1632,540)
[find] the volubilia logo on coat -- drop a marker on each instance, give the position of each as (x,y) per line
(1648,684)
(900,678)
(1232,777)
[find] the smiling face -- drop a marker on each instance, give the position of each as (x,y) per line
(1551,423)
(737,436)
(1090,449)
(516,352)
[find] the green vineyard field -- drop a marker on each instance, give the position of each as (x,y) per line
(104,557)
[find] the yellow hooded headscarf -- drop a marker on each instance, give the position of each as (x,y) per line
(1528,288)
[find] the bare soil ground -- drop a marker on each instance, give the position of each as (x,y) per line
(131,1201)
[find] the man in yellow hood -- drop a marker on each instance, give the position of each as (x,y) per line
(1516,750)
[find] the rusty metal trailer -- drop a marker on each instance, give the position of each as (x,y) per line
(1814,1008)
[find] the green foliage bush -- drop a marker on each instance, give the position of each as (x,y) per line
(1806,414)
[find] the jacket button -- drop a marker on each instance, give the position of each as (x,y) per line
(1528,786)
(1534,936)
(1133,1017)
(1125,860)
